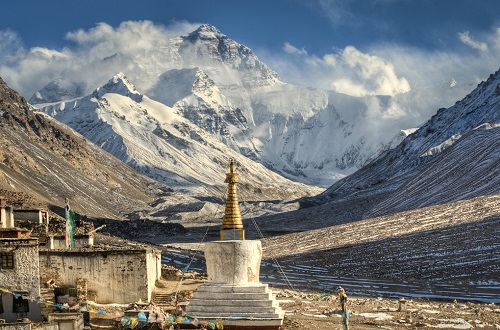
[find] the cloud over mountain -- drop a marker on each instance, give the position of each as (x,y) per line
(93,55)
(365,97)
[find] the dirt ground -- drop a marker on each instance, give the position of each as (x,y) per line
(319,311)
(310,310)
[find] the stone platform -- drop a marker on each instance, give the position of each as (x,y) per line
(253,306)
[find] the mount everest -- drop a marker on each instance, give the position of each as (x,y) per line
(307,135)
(159,142)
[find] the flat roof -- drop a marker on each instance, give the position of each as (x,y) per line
(92,250)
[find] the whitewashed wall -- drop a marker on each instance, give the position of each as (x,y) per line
(116,276)
(80,241)
(6,217)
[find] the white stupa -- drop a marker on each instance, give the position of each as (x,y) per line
(233,292)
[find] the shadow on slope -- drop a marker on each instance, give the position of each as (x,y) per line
(457,262)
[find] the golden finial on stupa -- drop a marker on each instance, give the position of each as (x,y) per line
(232,226)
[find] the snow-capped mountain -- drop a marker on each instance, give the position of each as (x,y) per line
(57,90)
(305,134)
(160,142)
(199,100)
(207,47)
(454,156)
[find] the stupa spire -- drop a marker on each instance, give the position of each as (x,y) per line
(232,226)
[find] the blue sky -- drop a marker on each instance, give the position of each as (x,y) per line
(305,41)
(317,26)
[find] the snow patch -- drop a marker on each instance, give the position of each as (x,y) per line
(441,147)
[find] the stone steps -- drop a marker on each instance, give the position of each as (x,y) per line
(254,302)
(231,309)
(216,288)
(199,301)
(243,316)
(235,296)
(162,299)
(47,295)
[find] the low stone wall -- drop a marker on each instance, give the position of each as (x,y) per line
(15,326)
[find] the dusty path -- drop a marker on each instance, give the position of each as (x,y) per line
(310,310)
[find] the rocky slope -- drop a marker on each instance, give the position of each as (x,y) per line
(44,162)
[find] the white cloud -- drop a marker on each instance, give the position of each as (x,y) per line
(290,49)
(349,71)
(466,39)
(364,74)
(387,68)
(426,68)
(10,45)
(337,11)
(93,56)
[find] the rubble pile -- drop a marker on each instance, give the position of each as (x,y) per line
(57,226)
(21,200)
(172,273)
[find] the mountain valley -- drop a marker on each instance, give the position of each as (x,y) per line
(394,211)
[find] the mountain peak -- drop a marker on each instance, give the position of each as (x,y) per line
(206,32)
(58,90)
(119,84)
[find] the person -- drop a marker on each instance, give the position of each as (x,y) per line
(178,309)
(343,306)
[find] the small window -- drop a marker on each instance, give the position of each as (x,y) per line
(7,260)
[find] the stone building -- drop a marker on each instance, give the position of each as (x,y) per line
(19,277)
(107,275)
